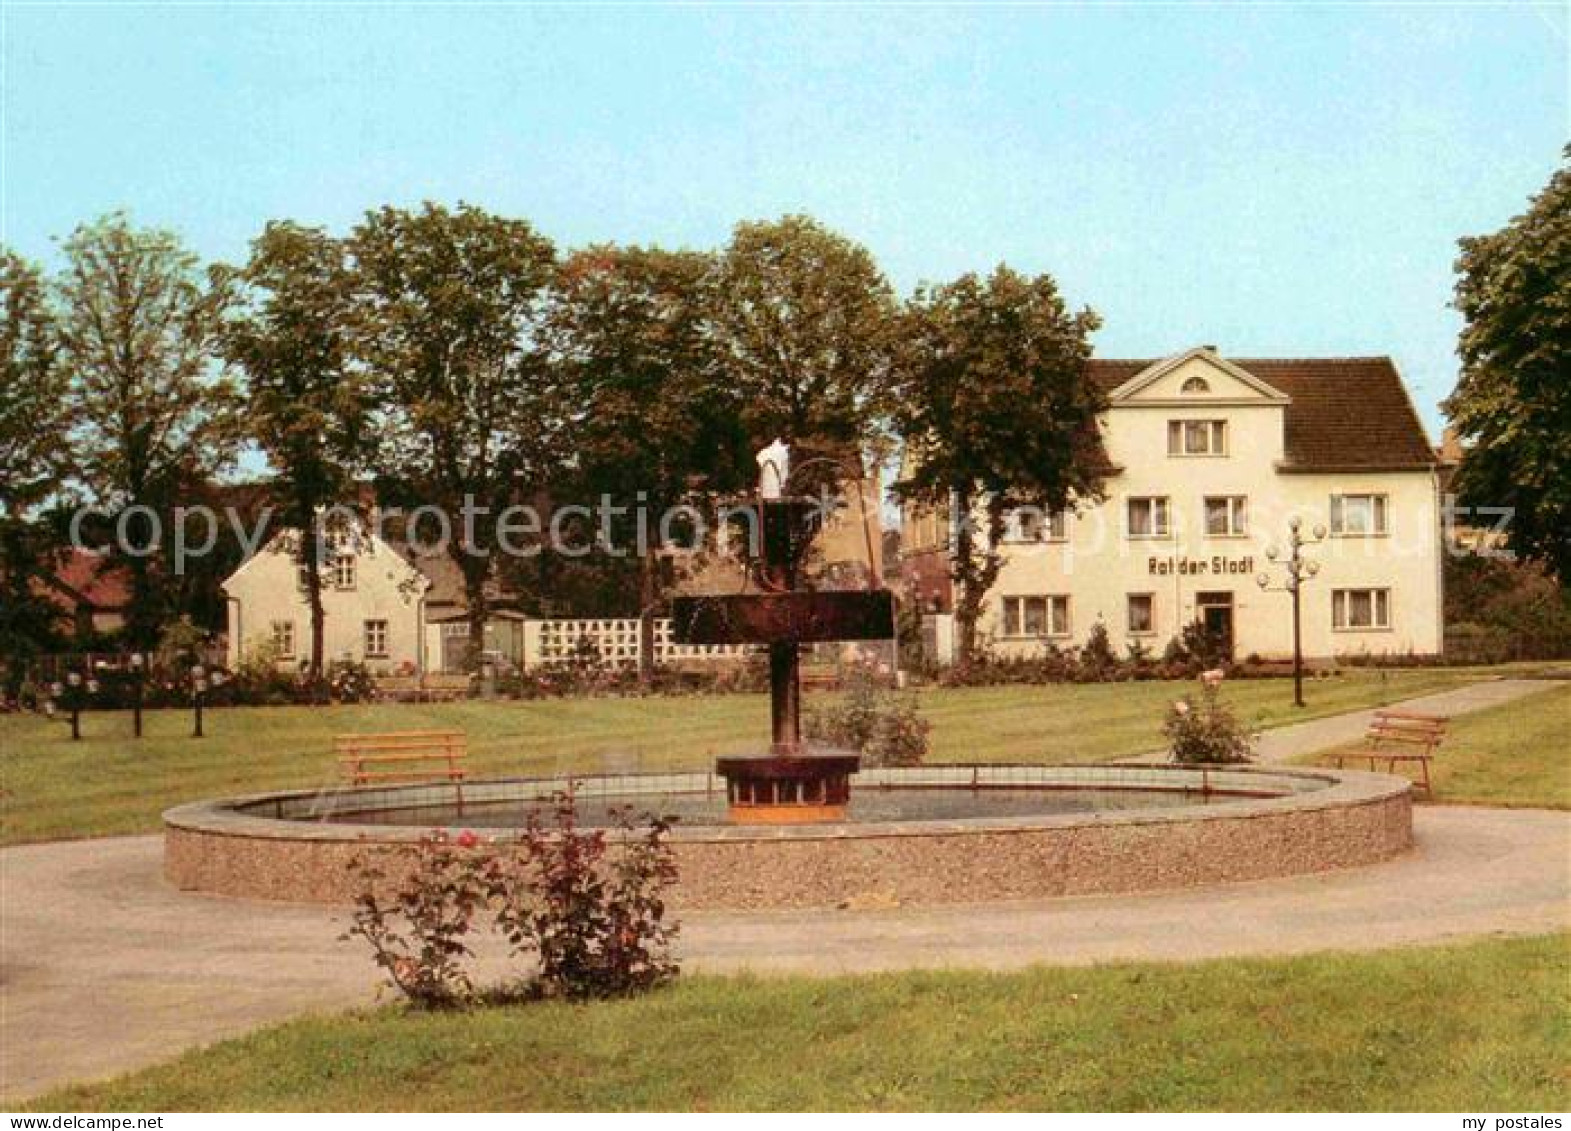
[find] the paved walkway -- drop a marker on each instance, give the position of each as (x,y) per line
(104,968)
(1286,743)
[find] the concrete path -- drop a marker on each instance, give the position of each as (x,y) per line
(104,968)
(1286,743)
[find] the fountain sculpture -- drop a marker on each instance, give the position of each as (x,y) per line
(791,784)
(922,834)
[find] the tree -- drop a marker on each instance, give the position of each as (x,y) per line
(659,426)
(1512,406)
(449,321)
(288,330)
(999,412)
(147,406)
(33,461)
(804,318)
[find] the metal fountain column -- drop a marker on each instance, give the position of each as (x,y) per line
(791,784)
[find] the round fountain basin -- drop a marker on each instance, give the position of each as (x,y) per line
(933,834)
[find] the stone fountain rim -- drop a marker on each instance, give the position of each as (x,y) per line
(1320,789)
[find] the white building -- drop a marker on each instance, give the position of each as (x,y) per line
(1210,459)
(391,612)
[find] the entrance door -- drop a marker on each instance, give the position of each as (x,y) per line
(455,648)
(1216,613)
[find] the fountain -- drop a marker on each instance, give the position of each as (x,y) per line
(790,784)
(794,830)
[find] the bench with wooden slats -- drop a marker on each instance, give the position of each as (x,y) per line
(434,688)
(1401,736)
(402,756)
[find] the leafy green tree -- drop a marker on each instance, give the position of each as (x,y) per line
(148,407)
(805,319)
(999,412)
(659,425)
(288,331)
(449,321)
(33,461)
(1512,405)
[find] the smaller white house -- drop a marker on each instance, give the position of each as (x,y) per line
(390,610)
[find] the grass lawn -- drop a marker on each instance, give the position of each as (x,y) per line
(1484,1026)
(53,788)
(1515,754)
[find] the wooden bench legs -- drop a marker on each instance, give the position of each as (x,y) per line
(1390,759)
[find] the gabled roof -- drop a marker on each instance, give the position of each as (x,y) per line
(1155,371)
(1343,413)
(89,580)
(447,580)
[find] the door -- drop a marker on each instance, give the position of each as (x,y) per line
(455,648)
(1216,613)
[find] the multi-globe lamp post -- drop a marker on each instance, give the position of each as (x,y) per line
(71,695)
(202,681)
(1298,569)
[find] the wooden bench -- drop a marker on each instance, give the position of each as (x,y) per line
(1420,734)
(402,756)
(820,678)
(436,688)
(442,688)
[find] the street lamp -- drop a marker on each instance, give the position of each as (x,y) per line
(198,685)
(202,681)
(138,677)
(73,701)
(1298,569)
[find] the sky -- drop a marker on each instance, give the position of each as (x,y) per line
(1275,179)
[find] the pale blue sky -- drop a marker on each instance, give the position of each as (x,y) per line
(1273,179)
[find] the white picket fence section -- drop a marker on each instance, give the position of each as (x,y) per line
(616,642)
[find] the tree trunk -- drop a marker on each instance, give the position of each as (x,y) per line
(961,568)
(476,570)
(311,560)
(142,622)
(648,601)
(974,568)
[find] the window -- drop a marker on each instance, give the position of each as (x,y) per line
(1196,437)
(1196,385)
(1142,614)
(376,638)
(1148,517)
(1033,524)
(1036,616)
(1353,609)
(284,639)
(1227,516)
(342,572)
(1358,516)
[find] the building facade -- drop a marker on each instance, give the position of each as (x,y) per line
(1211,460)
(392,611)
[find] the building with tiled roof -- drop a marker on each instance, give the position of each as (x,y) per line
(91,592)
(394,608)
(1209,460)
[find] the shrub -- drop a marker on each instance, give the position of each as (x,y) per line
(587,912)
(1206,730)
(1048,666)
(351,682)
(590,912)
(420,935)
(886,728)
(1097,660)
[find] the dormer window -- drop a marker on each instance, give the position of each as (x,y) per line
(1196,384)
(1197,437)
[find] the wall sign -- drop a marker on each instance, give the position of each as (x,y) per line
(1218,565)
